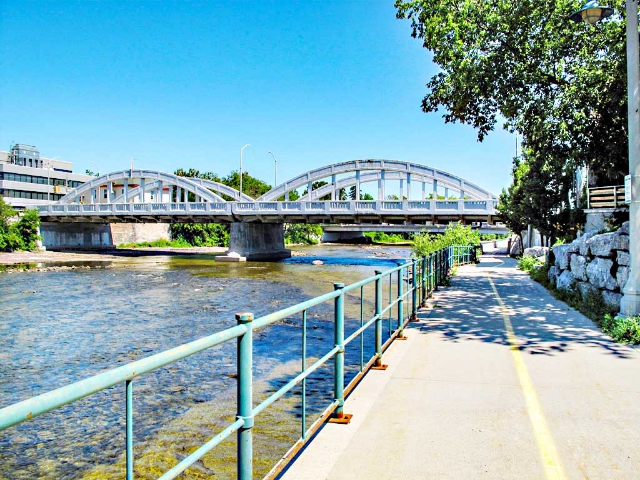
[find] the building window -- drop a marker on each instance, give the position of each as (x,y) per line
(105,193)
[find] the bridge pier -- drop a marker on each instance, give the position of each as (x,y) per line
(255,241)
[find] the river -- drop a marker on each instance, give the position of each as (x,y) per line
(61,326)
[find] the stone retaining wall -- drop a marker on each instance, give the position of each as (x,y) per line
(594,263)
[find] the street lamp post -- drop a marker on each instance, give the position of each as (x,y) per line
(241,150)
(275,168)
(591,13)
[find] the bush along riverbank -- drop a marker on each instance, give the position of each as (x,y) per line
(18,231)
(589,274)
(455,234)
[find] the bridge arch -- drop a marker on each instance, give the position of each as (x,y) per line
(136,183)
(380,171)
(217,188)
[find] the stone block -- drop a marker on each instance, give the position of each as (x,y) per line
(535,252)
(578,266)
(612,299)
(580,244)
(566,281)
(586,289)
(623,258)
(622,276)
(603,245)
(553,274)
(562,255)
(599,273)
(624,229)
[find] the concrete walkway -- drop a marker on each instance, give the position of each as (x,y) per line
(493,383)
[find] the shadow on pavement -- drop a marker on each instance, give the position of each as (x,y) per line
(469,311)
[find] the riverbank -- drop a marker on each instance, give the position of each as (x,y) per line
(49,257)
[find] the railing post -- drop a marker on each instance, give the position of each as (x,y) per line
(414,290)
(245,398)
(436,269)
(129,434)
(400,335)
(338,360)
(378,332)
(425,278)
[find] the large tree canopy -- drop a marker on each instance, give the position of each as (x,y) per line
(560,84)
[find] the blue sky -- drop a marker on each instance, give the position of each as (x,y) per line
(186,84)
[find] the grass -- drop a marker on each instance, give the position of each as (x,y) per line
(163,243)
(592,305)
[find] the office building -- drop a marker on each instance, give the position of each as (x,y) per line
(27,178)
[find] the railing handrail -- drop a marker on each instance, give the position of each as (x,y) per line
(432,269)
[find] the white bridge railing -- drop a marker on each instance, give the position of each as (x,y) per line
(329,207)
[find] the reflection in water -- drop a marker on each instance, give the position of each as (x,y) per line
(59,327)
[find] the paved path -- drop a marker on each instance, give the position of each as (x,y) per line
(460,400)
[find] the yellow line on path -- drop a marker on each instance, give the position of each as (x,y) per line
(550,459)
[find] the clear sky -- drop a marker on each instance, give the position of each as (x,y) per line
(187,84)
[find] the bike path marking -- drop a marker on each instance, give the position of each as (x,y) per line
(550,459)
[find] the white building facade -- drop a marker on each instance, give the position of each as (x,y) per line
(27,178)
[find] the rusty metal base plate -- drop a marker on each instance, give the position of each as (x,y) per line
(402,338)
(343,420)
(379,367)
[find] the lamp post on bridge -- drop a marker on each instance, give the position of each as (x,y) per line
(275,168)
(591,13)
(241,150)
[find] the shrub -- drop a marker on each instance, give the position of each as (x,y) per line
(528,264)
(382,237)
(455,234)
(21,234)
(305,233)
(622,329)
(201,234)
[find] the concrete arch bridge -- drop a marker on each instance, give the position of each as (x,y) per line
(422,195)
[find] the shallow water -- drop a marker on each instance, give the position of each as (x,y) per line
(62,326)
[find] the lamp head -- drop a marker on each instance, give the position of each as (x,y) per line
(592,12)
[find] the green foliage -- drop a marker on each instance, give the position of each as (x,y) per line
(250,185)
(27,229)
(560,85)
(622,329)
(382,237)
(302,233)
(162,243)
(493,236)
(455,234)
(21,234)
(201,234)
(528,264)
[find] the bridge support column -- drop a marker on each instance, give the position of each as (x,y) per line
(255,241)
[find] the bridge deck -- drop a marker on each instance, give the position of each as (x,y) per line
(531,389)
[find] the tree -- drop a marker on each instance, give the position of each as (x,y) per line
(455,234)
(20,234)
(524,61)
(561,85)
(251,185)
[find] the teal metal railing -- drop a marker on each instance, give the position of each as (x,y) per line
(423,275)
